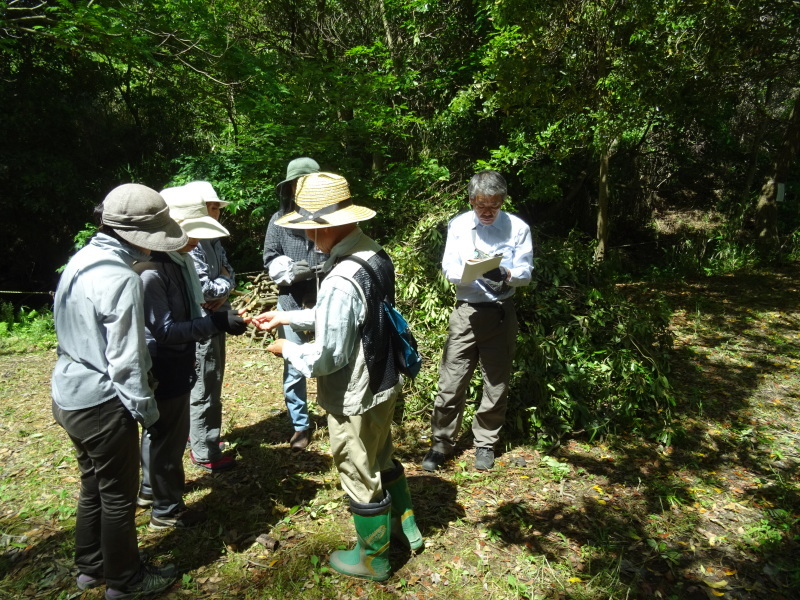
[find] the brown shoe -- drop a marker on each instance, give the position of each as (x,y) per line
(300,440)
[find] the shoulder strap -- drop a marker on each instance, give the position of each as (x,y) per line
(368,268)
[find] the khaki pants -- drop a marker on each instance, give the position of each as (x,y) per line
(484,333)
(362,447)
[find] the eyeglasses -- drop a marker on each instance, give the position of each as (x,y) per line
(493,207)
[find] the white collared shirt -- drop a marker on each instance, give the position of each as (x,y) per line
(508,235)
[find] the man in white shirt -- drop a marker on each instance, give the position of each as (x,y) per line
(483,324)
(353,360)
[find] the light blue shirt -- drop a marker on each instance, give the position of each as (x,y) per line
(467,236)
(336,320)
(99,319)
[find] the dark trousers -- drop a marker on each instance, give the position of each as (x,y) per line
(105,439)
(162,457)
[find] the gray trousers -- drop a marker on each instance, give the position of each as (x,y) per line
(162,457)
(205,405)
(485,333)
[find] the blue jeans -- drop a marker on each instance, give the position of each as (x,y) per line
(294,383)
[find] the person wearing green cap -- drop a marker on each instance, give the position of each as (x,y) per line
(293,263)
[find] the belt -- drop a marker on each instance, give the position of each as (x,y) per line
(500,305)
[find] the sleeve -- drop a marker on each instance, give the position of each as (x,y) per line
(452,262)
(338,315)
(160,319)
(126,352)
(522,260)
(217,287)
(272,242)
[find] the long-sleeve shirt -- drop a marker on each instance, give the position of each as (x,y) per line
(292,243)
(468,238)
(210,259)
(336,356)
(99,320)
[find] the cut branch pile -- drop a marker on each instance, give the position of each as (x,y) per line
(260,295)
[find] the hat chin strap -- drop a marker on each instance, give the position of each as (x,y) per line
(305,215)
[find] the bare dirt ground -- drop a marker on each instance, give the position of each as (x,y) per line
(713,515)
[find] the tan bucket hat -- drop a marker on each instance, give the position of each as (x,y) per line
(188,208)
(140,216)
(206,192)
(323,200)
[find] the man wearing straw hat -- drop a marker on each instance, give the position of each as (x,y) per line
(352,359)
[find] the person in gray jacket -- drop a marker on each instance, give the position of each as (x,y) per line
(217,281)
(100,386)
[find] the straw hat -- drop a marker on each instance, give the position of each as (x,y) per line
(140,216)
(323,200)
(188,208)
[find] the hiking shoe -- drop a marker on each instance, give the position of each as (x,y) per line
(153,580)
(433,460)
(215,466)
(484,459)
(144,500)
(300,440)
(185,519)
(87,582)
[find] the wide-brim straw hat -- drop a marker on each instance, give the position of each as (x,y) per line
(189,210)
(140,216)
(323,200)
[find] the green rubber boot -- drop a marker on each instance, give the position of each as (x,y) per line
(370,558)
(404,525)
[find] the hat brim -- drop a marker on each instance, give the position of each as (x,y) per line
(345,216)
(204,228)
(168,239)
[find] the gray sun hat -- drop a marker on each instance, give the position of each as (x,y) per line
(297,168)
(140,216)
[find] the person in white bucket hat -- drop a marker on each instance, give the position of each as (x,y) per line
(175,322)
(357,378)
(100,387)
(217,281)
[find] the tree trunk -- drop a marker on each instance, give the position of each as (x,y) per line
(602,208)
(767,207)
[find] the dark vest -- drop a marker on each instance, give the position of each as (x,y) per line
(376,339)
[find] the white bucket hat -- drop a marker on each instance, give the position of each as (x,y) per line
(141,217)
(205,191)
(323,200)
(189,210)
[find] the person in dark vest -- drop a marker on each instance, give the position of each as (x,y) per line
(357,379)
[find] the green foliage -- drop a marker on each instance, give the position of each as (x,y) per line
(25,329)
(588,359)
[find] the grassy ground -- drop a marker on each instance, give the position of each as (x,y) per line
(714,515)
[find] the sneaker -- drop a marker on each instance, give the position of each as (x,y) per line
(154,579)
(300,440)
(433,460)
(87,582)
(221,464)
(484,459)
(185,519)
(144,499)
